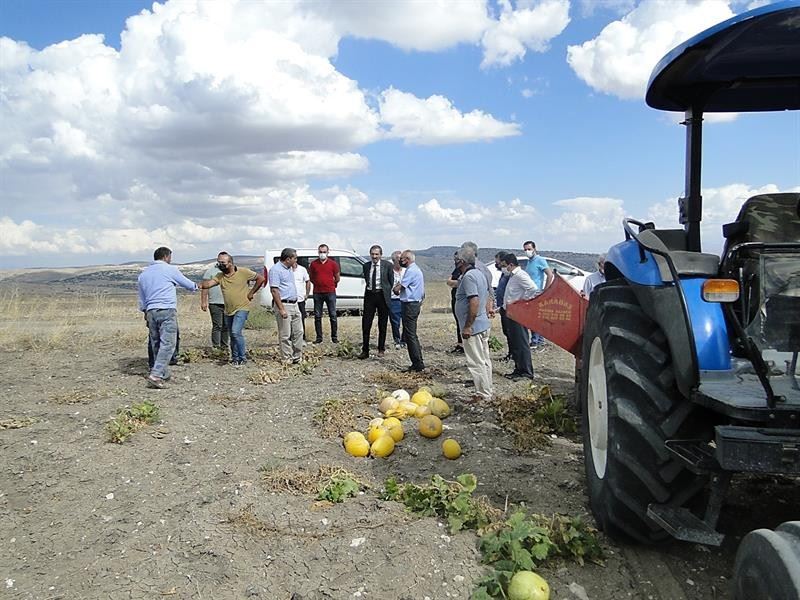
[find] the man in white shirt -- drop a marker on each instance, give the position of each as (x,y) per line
(520,287)
(303,284)
(596,278)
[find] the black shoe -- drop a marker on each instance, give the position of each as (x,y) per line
(457,349)
(513,376)
(318,341)
(363,355)
(413,369)
(335,340)
(174,362)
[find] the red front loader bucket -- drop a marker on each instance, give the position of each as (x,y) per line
(558,314)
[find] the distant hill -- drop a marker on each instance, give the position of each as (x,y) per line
(436,262)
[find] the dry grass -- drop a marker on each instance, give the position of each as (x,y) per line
(337,416)
(532,416)
(40,322)
(13,423)
(301,482)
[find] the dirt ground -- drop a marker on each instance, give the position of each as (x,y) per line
(181,509)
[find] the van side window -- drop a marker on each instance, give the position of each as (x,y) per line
(349,267)
(304,261)
(559,268)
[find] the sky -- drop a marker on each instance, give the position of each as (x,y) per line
(244,125)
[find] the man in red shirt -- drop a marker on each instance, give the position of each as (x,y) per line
(324,276)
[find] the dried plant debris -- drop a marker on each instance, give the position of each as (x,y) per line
(535,415)
(302,482)
(337,416)
(15,423)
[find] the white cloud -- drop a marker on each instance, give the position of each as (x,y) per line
(447,216)
(523,28)
(411,25)
(720,206)
(435,120)
(620,59)
(213,111)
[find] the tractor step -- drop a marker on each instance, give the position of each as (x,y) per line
(682,524)
(697,454)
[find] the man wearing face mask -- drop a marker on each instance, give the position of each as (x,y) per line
(520,286)
(377,297)
(542,276)
(412,292)
(212,301)
(237,296)
(324,275)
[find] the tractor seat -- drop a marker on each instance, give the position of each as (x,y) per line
(766,218)
(696,264)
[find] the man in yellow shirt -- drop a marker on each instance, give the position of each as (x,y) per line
(237,295)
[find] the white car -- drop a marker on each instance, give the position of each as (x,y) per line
(574,276)
(349,292)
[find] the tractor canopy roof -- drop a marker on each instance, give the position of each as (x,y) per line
(748,63)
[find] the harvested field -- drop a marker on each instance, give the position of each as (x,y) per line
(219,497)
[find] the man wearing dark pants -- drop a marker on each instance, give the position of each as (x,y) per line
(211,300)
(324,275)
(159,303)
(520,287)
(412,292)
(379,278)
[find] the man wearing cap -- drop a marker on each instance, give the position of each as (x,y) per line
(287,313)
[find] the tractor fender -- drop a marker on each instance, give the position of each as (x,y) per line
(697,335)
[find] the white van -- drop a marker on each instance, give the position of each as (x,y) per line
(349,292)
(574,276)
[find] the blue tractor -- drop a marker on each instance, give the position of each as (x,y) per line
(689,360)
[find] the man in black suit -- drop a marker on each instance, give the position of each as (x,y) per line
(377,296)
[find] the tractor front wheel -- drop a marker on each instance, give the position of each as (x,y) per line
(630,407)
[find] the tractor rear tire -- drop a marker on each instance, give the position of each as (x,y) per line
(767,564)
(630,406)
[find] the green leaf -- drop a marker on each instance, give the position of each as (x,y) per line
(469,481)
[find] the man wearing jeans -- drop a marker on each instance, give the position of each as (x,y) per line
(287,314)
(394,308)
(212,301)
(471,301)
(412,292)
(159,303)
(237,295)
(324,275)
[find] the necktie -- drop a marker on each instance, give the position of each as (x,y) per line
(374,277)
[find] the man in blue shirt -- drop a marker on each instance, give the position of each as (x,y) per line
(542,276)
(412,292)
(159,303)
(471,299)
(287,313)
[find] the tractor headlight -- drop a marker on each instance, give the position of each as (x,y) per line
(721,290)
